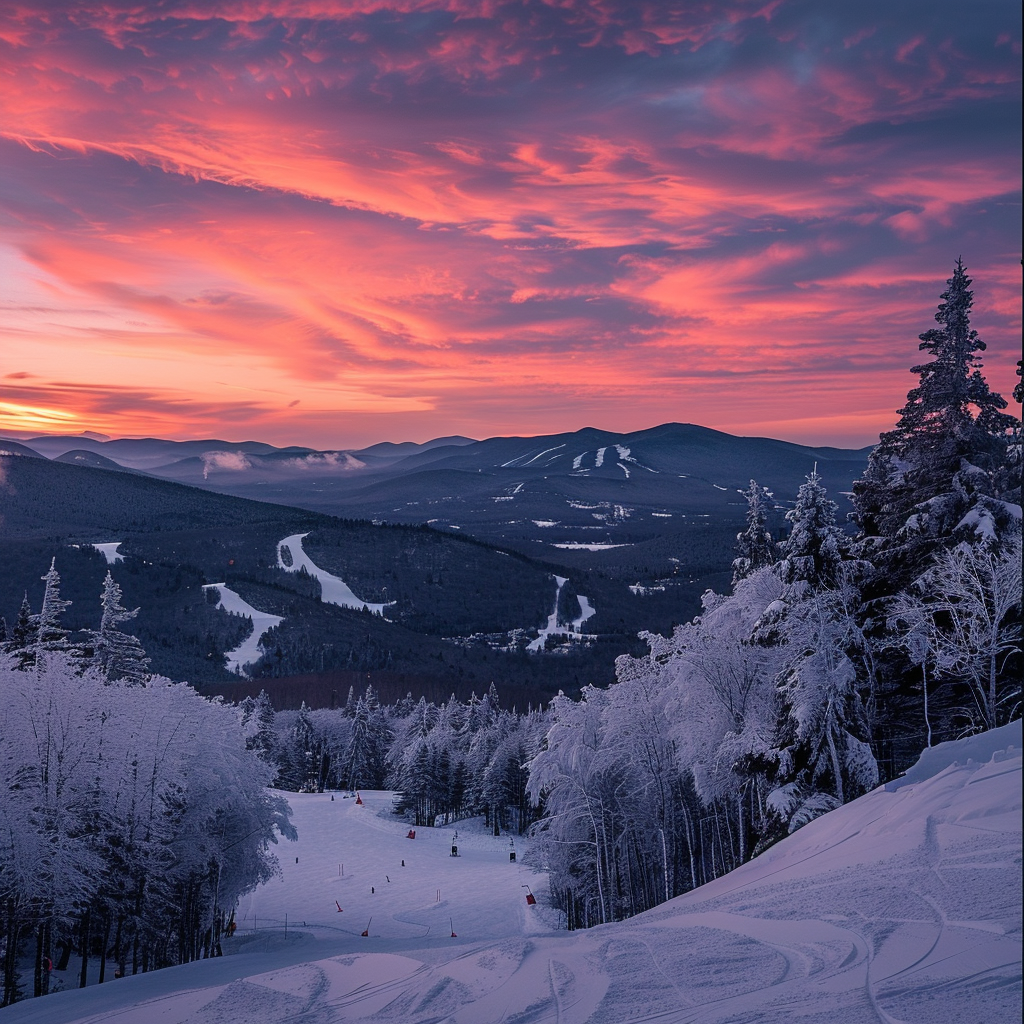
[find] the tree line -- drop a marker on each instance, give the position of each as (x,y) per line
(445,761)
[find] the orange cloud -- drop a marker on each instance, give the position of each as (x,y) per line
(440,216)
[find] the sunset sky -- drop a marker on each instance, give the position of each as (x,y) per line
(333,223)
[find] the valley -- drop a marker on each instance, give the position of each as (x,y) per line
(439,610)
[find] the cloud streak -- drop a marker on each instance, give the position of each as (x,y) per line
(419,218)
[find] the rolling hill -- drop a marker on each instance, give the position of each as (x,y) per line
(458,613)
(631,505)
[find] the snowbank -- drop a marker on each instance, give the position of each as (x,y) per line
(996,743)
(904,905)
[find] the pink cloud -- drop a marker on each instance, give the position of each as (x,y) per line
(424,209)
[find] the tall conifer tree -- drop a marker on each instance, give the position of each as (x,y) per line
(814,549)
(50,634)
(947,453)
(117,654)
(21,642)
(754,546)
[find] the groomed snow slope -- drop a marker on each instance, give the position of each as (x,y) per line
(332,589)
(902,906)
(249,650)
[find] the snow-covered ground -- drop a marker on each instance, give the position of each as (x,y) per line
(110,552)
(903,906)
(576,545)
(552,626)
(360,856)
(249,650)
(332,589)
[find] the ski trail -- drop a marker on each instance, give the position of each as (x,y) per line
(552,626)
(110,552)
(332,589)
(554,991)
(683,1000)
(249,650)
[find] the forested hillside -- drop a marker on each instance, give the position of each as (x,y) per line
(172,541)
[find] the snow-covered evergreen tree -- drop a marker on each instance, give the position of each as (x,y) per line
(258,726)
(365,760)
(50,635)
(813,552)
(948,474)
(21,642)
(754,546)
(823,748)
(947,454)
(118,655)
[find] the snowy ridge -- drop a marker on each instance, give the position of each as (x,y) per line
(901,906)
(249,650)
(332,589)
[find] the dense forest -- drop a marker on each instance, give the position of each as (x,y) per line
(438,589)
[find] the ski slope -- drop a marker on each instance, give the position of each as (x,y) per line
(903,906)
(332,589)
(110,552)
(552,626)
(249,650)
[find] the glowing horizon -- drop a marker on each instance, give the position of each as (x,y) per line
(325,224)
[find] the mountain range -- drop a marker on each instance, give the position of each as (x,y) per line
(461,543)
(617,501)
